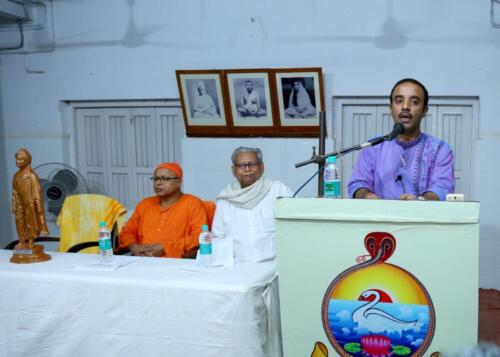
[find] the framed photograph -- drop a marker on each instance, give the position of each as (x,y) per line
(202,97)
(257,102)
(300,97)
(250,98)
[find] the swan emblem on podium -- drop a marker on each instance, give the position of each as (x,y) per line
(375,320)
(376,308)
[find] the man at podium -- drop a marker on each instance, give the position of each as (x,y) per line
(414,165)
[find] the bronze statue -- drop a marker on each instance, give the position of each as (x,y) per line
(27,206)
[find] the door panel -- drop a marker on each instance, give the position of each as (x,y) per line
(119,147)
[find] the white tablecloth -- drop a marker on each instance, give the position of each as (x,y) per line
(151,307)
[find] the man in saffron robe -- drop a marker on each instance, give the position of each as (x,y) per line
(168,224)
(414,165)
(27,204)
(245,209)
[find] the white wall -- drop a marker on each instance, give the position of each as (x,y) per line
(450,46)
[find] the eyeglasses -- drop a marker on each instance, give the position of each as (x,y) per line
(162,178)
(244,165)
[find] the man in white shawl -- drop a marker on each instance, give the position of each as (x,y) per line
(245,209)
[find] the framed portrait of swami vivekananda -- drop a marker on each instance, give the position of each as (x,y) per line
(202,98)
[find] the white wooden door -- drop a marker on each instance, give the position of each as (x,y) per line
(90,135)
(455,126)
(145,154)
(120,147)
(452,120)
(117,152)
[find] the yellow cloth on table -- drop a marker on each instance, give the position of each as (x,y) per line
(80,216)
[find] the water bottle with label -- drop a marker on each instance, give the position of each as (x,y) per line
(205,251)
(331,179)
(105,246)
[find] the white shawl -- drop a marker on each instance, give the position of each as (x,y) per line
(247,197)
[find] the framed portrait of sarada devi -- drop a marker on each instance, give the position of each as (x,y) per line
(300,96)
(250,99)
(202,99)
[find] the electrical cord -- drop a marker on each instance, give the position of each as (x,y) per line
(309,180)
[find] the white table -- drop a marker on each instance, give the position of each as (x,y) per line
(151,307)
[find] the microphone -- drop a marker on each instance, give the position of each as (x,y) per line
(399,178)
(396,130)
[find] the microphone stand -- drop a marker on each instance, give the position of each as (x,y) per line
(322,139)
(320,159)
(398,129)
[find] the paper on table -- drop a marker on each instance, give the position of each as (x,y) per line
(114,264)
(222,251)
(222,257)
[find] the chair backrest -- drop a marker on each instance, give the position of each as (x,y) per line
(80,216)
(210,208)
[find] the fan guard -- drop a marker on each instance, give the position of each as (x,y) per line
(58,181)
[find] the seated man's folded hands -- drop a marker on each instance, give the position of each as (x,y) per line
(146,250)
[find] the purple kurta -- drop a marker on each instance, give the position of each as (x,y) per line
(393,168)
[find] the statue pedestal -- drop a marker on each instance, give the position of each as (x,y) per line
(24,254)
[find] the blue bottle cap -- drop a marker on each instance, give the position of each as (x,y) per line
(331,159)
(204,228)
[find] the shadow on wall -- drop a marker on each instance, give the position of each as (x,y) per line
(7,232)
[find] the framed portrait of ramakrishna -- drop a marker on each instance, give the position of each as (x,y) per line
(250,98)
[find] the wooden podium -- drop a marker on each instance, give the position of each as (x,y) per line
(349,288)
